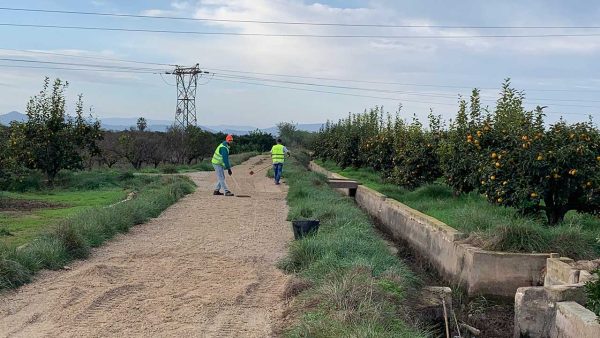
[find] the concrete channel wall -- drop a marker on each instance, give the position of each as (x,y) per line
(479,271)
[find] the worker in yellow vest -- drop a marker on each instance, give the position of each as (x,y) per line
(278,153)
(220,162)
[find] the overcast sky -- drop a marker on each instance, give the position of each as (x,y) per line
(562,73)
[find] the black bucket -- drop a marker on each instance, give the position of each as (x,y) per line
(304,227)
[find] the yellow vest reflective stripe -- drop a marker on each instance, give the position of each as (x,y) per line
(217,157)
(277,153)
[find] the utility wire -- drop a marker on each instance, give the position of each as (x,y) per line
(85,57)
(410,93)
(336,36)
(304,77)
(165,81)
(83,65)
(238,77)
(390,83)
(78,69)
(359,95)
(304,23)
(329,92)
(388,91)
(255,84)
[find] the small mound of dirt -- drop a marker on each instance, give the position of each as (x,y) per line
(13,204)
(295,286)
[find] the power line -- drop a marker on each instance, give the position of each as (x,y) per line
(309,77)
(391,82)
(329,92)
(256,84)
(83,64)
(379,90)
(303,23)
(410,93)
(335,36)
(360,95)
(85,56)
(79,69)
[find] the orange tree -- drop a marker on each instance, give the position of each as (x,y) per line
(460,151)
(50,140)
(533,169)
(416,160)
(377,148)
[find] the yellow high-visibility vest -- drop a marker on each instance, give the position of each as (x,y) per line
(277,153)
(217,157)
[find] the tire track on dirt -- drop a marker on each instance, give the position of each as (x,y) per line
(204,268)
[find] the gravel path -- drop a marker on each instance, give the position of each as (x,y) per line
(204,268)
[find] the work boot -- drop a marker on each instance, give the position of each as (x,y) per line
(229,193)
(217,192)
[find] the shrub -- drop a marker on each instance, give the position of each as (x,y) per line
(170,169)
(592,290)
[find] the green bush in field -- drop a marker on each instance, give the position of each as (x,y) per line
(459,155)
(592,290)
(169,169)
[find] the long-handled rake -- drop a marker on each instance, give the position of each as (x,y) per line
(238,186)
(254,172)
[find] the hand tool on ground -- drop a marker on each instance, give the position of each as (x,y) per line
(238,186)
(254,172)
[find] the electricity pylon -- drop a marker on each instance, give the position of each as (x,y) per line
(187,81)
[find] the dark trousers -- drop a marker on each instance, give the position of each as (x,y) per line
(277,170)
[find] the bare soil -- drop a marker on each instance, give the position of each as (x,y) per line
(13,204)
(204,268)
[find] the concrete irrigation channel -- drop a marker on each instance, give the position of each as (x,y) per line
(205,267)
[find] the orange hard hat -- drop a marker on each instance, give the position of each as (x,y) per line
(229,138)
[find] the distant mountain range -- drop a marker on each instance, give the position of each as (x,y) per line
(123,123)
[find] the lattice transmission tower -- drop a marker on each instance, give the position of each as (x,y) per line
(187,81)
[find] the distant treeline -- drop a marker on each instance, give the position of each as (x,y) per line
(51,140)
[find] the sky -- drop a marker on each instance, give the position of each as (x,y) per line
(421,74)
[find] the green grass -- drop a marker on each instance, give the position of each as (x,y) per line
(351,285)
(24,225)
(73,237)
(73,193)
(491,227)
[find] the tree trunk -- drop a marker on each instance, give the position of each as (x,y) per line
(556,215)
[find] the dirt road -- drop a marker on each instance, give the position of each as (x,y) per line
(204,268)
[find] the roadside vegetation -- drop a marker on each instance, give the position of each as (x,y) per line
(51,211)
(73,237)
(505,177)
(30,210)
(347,282)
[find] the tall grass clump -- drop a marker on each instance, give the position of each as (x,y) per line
(355,286)
(75,236)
